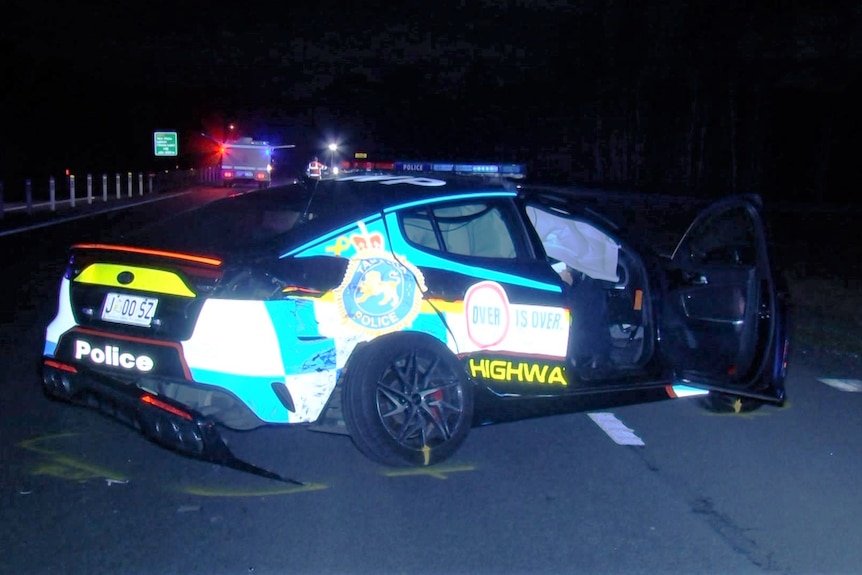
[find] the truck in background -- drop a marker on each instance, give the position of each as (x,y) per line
(246,160)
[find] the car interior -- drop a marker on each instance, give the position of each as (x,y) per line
(619,312)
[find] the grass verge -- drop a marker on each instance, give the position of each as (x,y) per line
(826,317)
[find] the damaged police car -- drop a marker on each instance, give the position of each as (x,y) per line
(405,304)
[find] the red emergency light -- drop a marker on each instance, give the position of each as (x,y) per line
(368,166)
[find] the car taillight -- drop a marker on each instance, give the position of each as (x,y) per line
(61,366)
(156,402)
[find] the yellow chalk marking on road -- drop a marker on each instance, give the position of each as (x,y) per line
(33,444)
(74,470)
(436,472)
(227,492)
(64,466)
(71,468)
(761,412)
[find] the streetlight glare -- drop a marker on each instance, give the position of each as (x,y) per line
(332,148)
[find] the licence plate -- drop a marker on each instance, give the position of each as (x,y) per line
(129,309)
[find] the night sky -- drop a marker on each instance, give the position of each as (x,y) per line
(697,97)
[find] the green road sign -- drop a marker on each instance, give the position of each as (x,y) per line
(166,143)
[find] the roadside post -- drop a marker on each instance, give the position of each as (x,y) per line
(89,189)
(52,193)
(28,194)
(104,187)
(72,190)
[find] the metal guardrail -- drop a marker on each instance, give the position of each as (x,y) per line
(71,192)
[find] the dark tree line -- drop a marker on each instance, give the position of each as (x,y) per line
(703,97)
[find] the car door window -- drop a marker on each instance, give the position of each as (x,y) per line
(476,229)
(728,238)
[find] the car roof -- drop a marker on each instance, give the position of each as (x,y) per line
(281,217)
(381,190)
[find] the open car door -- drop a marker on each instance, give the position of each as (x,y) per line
(723,326)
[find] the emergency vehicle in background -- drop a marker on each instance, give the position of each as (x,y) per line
(246,160)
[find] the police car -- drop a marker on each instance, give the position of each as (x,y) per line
(404,306)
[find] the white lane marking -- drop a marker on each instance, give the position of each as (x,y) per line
(843,384)
(615,429)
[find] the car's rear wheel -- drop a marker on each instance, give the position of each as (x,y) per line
(407,400)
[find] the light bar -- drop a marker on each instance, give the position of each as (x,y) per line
(514,170)
(367,166)
(505,170)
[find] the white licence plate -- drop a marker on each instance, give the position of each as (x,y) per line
(129,309)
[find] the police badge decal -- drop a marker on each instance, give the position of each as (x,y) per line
(380,293)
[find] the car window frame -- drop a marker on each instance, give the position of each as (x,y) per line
(510,216)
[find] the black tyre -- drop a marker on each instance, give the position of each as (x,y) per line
(407,400)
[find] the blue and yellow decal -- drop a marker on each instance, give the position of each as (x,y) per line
(518,371)
(380,293)
(336,243)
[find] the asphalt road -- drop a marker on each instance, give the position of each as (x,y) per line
(773,491)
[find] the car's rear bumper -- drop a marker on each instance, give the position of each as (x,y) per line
(161,419)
